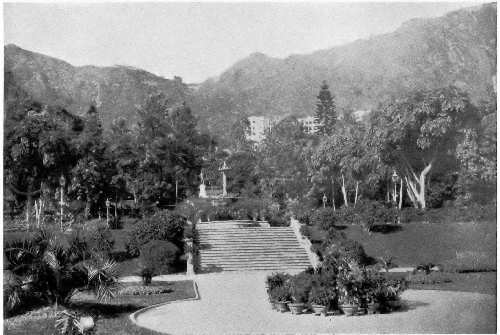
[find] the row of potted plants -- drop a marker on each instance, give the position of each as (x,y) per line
(349,289)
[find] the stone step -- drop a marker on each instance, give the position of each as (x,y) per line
(276,255)
(250,243)
(247,250)
(283,267)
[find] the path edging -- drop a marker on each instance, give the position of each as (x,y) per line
(133,316)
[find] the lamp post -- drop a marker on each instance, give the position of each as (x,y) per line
(108,203)
(394,181)
(62,183)
(325,199)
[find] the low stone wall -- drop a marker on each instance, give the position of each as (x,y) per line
(305,243)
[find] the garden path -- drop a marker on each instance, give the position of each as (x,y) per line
(237,303)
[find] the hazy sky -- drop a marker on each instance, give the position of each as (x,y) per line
(198,40)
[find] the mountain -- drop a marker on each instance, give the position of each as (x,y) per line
(115,91)
(456,49)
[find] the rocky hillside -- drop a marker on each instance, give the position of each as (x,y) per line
(456,49)
(115,91)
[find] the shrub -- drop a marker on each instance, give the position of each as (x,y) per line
(164,226)
(99,239)
(471,261)
(115,222)
(429,279)
(280,293)
(300,286)
(159,256)
(324,218)
(277,279)
(277,221)
(320,295)
(371,213)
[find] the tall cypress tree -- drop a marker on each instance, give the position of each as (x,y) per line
(326,114)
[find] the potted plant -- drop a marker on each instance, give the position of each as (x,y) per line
(280,295)
(348,302)
(319,298)
(299,293)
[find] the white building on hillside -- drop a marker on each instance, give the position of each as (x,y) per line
(258,127)
(309,123)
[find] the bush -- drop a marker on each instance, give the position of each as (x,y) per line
(324,218)
(277,279)
(99,239)
(300,286)
(159,256)
(429,279)
(280,293)
(277,221)
(320,295)
(163,226)
(115,222)
(371,213)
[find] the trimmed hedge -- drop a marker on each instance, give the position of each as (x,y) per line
(159,257)
(164,226)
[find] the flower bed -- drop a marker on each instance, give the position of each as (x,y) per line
(144,290)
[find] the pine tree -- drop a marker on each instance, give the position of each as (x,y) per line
(326,114)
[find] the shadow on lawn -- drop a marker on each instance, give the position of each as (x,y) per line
(409,305)
(386,228)
(105,310)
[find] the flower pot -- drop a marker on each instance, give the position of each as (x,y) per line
(282,306)
(319,309)
(372,307)
(296,308)
(349,310)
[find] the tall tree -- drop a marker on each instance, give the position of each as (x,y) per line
(90,177)
(326,111)
(421,132)
(170,151)
(37,151)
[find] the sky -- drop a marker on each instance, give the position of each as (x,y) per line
(199,40)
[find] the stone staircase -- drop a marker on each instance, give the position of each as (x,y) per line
(237,247)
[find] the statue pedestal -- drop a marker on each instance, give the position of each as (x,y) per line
(203,191)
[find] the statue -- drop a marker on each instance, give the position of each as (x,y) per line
(223,169)
(203,191)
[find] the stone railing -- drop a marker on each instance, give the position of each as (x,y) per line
(305,243)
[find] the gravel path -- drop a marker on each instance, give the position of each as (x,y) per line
(237,303)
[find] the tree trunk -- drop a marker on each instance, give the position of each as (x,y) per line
(356,194)
(333,195)
(416,187)
(344,192)
(87,209)
(401,194)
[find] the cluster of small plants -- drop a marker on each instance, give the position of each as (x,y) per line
(341,284)
(144,290)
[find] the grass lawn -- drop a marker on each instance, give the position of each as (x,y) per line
(112,317)
(416,243)
(480,282)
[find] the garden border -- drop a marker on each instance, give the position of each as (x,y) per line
(133,316)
